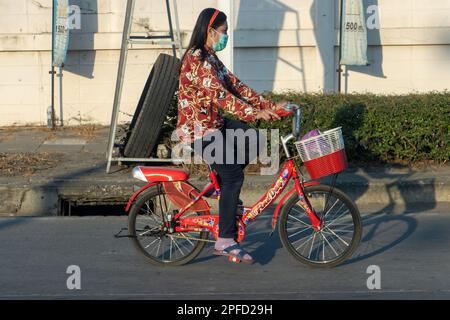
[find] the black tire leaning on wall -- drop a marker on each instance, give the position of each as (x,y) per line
(152,108)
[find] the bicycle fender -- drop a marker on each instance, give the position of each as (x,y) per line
(280,204)
(130,202)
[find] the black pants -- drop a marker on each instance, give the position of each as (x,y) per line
(230,171)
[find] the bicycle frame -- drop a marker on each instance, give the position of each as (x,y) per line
(209,222)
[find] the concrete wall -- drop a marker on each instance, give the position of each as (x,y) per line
(279,45)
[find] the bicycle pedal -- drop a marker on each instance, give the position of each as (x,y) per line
(234,259)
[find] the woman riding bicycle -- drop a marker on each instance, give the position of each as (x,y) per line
(206,88)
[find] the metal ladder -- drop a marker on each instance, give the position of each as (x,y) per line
(127,39)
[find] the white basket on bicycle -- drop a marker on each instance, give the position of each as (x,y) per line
(323,154)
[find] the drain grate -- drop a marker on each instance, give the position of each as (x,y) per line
(68,208)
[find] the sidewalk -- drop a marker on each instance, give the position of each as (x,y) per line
(70,165)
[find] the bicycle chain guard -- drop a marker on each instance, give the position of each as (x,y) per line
(181,193)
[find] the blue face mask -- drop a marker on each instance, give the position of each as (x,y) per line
(222,43)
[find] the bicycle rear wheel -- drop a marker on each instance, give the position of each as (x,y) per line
(339,237)
(158,246)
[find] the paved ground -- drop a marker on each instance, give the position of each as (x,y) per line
(410,247)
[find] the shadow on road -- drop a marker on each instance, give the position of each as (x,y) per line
(377,236)
(382,230)
(6,222)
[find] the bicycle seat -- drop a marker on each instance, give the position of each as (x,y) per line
(156,174)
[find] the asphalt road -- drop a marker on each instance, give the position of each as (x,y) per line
(410,246)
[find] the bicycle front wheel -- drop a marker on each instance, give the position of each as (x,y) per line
(339,236)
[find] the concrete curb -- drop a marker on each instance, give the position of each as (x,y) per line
(41,198)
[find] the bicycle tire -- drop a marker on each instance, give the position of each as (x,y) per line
(152,108)
(142,198)
(356,219)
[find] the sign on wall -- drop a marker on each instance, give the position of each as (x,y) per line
(354,34)
(60,32)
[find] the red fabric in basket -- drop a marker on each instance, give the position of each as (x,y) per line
(324,166)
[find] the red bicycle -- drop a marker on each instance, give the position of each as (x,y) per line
(170,219)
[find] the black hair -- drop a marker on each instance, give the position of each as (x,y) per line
(200,33)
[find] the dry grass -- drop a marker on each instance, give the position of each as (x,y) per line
(26,164)
(12,129)
(85,131)
(5,137)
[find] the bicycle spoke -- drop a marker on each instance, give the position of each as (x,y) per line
(159,245)
(145,225)
(340,230)
(312,244)
(346,239)
(324,203)
(342,222)
(148,207)
(187,239)
(151,243)
(176,244)
(324,215)
(149,230)
(338,210)
(294,228)
(341,243)
(154,247)
(334,221)
(303,243)
(323,247)
(332,248)
(338,237)
(170,249)
(298,220)
(149,216)
(299,232)
(334,240)
(150,210)
(162,250)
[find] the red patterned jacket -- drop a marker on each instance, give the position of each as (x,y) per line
(204,88)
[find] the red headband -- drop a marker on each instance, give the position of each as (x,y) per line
(213,18)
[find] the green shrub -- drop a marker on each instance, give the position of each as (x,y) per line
(382,128)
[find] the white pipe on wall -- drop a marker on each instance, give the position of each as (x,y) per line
(227,55)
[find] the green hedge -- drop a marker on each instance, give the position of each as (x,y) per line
(383,128)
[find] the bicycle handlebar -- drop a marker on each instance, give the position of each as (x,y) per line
(290,109)
(287,110)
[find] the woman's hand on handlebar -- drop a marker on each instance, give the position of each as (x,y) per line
(281,104)
(274,114)
(284,109)
(267,114)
